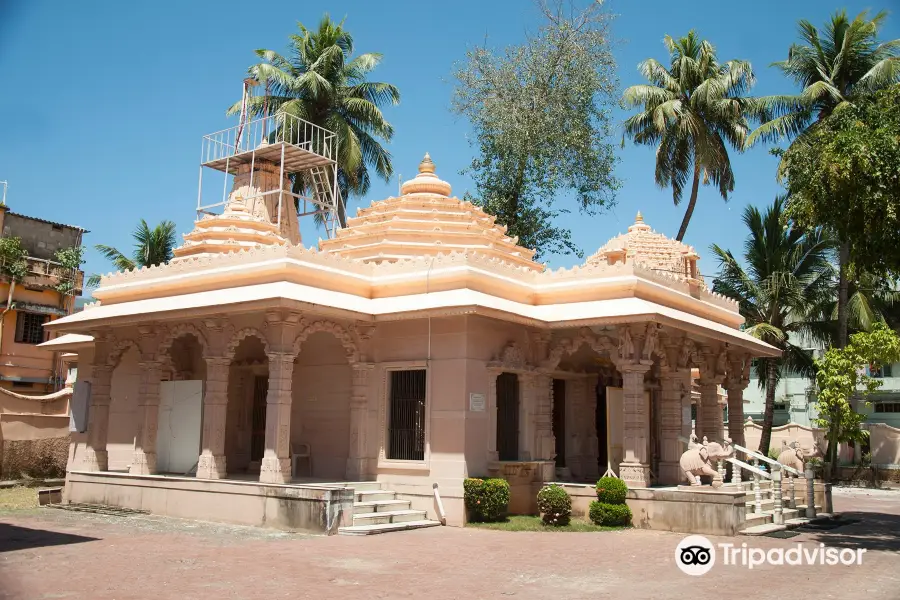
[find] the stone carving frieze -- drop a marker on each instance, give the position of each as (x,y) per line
(350,348)
(601,344)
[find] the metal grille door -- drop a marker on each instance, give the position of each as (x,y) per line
(258,418)
(406,433)
(559,420)
(508,416)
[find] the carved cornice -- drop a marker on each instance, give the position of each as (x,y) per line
(511,358)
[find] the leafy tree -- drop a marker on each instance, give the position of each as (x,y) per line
(70,259)
(843,174)
(324,84)
(151,247)
(13,268)
(692,112)
(841,376)
(787,274)
(541,116)
(835,67)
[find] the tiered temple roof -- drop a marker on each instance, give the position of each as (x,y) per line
(651,250)
(426,221)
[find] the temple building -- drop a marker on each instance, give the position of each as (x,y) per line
(253,380)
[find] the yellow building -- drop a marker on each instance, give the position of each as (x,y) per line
(36,300)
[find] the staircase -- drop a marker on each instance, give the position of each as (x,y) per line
(380,511)
(763,522)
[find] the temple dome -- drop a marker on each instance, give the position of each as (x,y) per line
(426,221)
(650,250)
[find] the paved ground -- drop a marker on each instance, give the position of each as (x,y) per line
(56,554)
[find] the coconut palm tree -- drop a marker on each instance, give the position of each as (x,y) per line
(833,67)
(787,275)
(324,84)
(870,299)
(151,247)
(692,111)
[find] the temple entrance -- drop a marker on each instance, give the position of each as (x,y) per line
(559,420)
(258,418)
(508,416)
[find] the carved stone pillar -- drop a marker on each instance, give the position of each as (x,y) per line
(276,462)
(735,383)
(544,440)
(673,382)
(710,419)
(587,391)
(357,458)
(143,462)
(635,467)
(211,464)
(95,457)
(492,453)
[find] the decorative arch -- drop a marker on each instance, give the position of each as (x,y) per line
(176,332)
(350,348)
(240,336)
(600,344)
(118,351)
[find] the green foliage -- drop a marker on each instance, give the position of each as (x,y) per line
(785,276)
(13,265)
(841,376)
(774,452)
(486,499)
(611,490)
(541,113)
(151,247)
(555,505)
(843,174)
(613,515)
(321,82)
(691,112)
(70,259)
(836,65)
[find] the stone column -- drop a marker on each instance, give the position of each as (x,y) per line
(357,458)
(276,462)
(673,382)
(143,462)
(735,383)
(635,468)
(211,464)
(710,421)
(591,451)
(544,440)
(492,453)
(95,457)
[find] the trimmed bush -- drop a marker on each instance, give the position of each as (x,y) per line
(611,490)
(486,499)
(555,505)
(610,515)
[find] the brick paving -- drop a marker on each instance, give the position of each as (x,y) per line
(57,554)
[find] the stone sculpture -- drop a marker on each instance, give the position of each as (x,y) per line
(699,460)
(792,456)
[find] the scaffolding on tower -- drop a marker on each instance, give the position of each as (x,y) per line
(298,148)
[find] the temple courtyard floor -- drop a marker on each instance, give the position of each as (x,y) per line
(48,553)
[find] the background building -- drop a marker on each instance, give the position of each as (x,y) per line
(36,300)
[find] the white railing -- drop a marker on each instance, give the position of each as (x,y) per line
(776,467)
(272,129)
(440,505)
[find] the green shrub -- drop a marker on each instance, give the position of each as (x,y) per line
(555,505)
(486,499)
(610,515)
(774,452)
(611,490)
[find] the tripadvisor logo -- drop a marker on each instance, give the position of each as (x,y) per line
(695,555)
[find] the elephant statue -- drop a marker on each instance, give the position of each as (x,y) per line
(792,456)
(700,460)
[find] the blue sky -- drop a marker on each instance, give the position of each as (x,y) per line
(104,103)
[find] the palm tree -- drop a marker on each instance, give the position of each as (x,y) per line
(692,112)
(870,299)
(833,67)
(323,84)
(788,273)
(151,247)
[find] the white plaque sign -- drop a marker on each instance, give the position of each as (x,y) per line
(476,402)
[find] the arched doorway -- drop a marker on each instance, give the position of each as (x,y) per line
(245,421)
(180,417)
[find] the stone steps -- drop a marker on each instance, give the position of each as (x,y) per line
(380,511)
(763,523)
